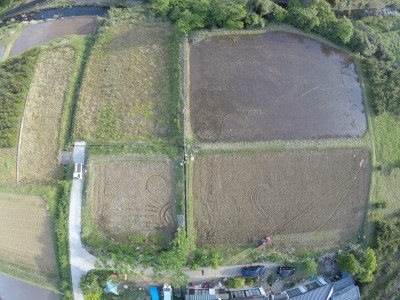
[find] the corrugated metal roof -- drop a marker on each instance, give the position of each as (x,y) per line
(322,293)
(349,293)
(201,297)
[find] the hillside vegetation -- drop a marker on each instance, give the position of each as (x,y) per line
(15,78)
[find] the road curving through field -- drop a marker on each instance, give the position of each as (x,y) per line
(80,260)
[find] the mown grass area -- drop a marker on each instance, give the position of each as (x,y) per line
(50,95)
(130,90)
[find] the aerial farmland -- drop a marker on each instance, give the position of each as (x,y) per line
(195,142)
(252,88)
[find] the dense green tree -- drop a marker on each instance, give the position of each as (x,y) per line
(304,18)
(344,30)
(254,20)
(364,40)
(189,21)
(92,285)
(226,13)
(369,265)
(260,7)
(326,18)
(161,7)
(348,263)
(279,14)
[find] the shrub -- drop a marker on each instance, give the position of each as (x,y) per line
(206,257)
(271,279)
(380,204)
(93,283)
(310,267)
(387,235)
(249,281)
(384,80)
(236,283)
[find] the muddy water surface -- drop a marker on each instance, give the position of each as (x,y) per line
(273,86)
(40,33)
(13,289)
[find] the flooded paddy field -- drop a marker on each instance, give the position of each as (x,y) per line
(273,86)
(40,33)
(11,289)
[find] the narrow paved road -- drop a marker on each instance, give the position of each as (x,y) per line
(229,271)
(209,273)
(80,260)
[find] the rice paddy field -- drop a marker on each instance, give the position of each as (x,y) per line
(311,199)
(129,91)
(26,234)
(273,86)
(132,199)
(39,140)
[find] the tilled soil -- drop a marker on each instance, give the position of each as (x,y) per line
(26,238)
(301,198)
(272,86)
(134,201)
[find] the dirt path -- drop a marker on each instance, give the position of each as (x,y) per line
(80,260)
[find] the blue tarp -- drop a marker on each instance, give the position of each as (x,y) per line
(111,288)
(154,293)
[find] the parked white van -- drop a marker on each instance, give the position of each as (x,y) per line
(167,292)
(78,171)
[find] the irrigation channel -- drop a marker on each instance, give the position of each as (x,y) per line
(76,11)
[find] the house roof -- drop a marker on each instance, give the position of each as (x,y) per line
(322,293)
(201,297)
(348,293)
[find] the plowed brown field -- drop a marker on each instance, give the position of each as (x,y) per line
(303,198)
(26,239)
(133,200)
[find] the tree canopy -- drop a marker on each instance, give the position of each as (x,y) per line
(348,263)
(368,266)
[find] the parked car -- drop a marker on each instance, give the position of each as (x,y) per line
(285,271)
(253,271)
(167,291)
